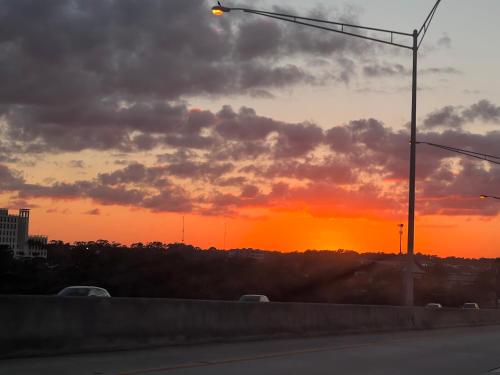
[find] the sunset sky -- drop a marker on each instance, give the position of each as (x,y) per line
(118,118)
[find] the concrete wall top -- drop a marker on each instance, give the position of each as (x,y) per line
(48,324)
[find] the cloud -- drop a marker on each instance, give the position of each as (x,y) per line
(377,70)
(441,70)
(259,162)
(483,111)
(453,117)
(102,71)
(393,70)
(99,193)
(169,201)
(10,180)
(448,117)
(444,41)
(295,140)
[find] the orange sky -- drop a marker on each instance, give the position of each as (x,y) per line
(285,231)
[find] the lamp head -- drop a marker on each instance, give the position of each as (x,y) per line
(219,10)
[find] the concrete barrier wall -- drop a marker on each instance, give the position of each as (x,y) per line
(34,325)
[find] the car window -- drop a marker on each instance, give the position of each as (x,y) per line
(75,292)
(250,298)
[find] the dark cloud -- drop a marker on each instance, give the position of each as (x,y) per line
(101,74)
(454,117)
(174,200)
(9,179)
(377,70)
(361,166)
(483,111)
(249,191)
(444,41)
(389,70)
(259,38)
(442,70)
(244,125)
(448,117)
(295,140)
(194,170)
(133,173)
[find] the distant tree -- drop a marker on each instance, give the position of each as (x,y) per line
(103,243)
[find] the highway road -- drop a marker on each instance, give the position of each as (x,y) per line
(450,351)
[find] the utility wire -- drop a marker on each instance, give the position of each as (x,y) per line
(473,154)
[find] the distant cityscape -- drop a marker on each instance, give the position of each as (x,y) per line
(14,234)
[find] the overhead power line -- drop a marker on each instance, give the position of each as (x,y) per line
(473,154)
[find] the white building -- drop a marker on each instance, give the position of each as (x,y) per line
(14,233)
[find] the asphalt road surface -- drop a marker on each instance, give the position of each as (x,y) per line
(450,351)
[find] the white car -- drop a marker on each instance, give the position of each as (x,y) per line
(83,291)
(254,298)
(434,305)
(470,306)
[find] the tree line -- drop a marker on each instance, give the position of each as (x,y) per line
(159,270)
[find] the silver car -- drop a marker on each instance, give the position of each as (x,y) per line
(254,298)
(434,305)
(83,291)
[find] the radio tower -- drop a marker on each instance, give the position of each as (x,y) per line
(183,229)
(225,234)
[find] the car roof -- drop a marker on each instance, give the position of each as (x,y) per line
(83,287)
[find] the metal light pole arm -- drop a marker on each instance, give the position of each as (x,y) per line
(305,21)
(427,22)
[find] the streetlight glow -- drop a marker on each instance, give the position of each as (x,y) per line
(219,10)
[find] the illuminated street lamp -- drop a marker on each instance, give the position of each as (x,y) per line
(219,10)
(417,36)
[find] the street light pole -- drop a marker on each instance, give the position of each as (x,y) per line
(408,285)
(357,31)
